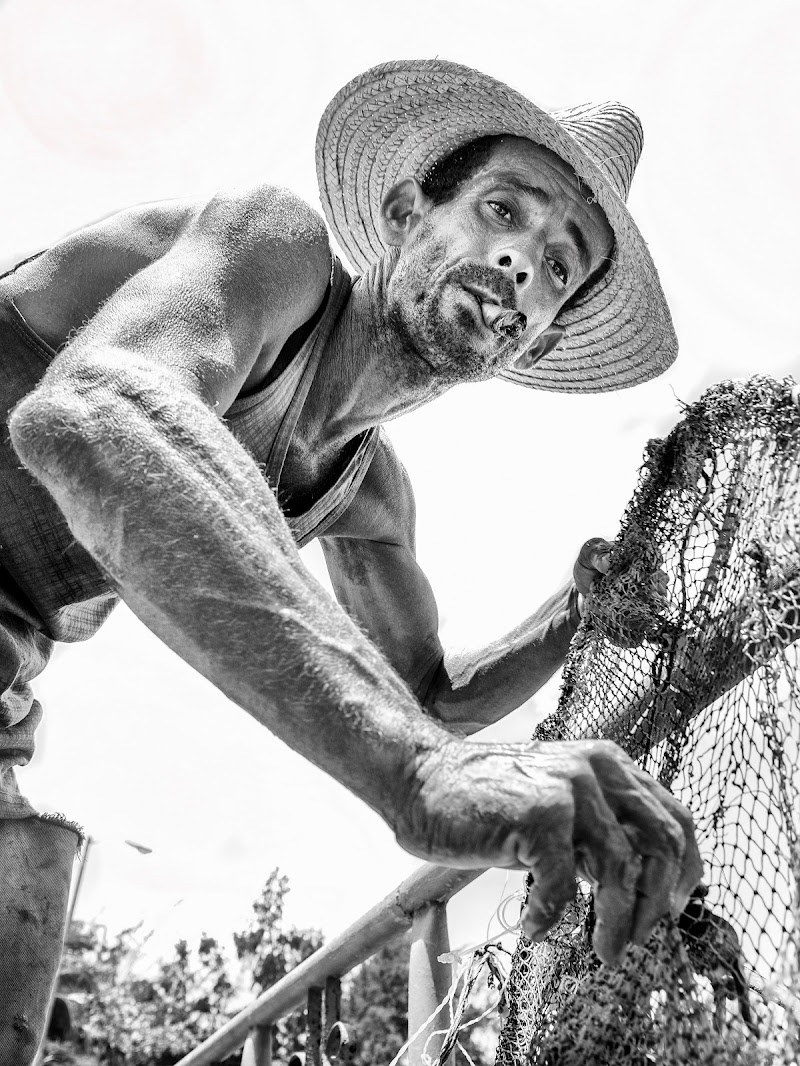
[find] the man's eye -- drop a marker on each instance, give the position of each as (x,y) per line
(500,209)
(559,270)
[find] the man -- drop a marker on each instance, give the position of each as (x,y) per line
(199,388)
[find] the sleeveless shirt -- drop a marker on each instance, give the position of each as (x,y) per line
(50,587)
(265,421)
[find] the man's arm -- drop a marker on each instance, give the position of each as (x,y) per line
(122,432)
(371,560)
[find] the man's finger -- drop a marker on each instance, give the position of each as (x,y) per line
(594,559)
(659,828)
(595,554)
(610,863)
(553,888)
(652,830)
(654,895)
(691,873)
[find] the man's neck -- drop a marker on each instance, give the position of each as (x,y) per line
(369,373)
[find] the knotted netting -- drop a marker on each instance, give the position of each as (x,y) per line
(687,658)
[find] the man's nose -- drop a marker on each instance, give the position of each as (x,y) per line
(515,265)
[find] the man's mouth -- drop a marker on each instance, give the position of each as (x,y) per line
(502,321)
(508,324)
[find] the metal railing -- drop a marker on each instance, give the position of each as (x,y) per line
(420,903)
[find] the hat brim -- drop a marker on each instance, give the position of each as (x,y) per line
(400,118)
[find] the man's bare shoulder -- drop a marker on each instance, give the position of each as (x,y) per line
(265,213)
(270,237)
(249,215)
(265,241)
(234,226)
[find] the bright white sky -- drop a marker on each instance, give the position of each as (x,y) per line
(104,105)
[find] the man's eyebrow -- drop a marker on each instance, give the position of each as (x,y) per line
(578,239)
(541,196)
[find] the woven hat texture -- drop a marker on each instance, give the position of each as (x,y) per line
(401,118)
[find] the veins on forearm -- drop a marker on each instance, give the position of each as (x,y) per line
(192,536)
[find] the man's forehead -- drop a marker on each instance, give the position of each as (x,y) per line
(508,150)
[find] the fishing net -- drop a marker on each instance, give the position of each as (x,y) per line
(687,658)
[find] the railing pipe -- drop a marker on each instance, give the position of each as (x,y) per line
(385,921)
(333,1001)
(258,1047)
(428,982)
(313,1055)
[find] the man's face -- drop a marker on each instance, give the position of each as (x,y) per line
(520,234)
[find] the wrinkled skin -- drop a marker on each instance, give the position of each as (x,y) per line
(567,809)
(522,234)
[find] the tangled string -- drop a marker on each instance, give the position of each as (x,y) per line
(687,658)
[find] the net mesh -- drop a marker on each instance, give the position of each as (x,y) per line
(687,658)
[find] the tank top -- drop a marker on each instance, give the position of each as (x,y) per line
(55,584)
(265,421)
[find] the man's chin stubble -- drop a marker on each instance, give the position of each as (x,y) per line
(436,348)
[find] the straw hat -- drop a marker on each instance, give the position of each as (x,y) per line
(400,118)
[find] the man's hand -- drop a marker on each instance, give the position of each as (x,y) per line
(634,612)
(559,810)
(592,562)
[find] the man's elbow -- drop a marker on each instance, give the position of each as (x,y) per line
(62,415)
(440,701)
(457,720)
(48,424)
(80,432)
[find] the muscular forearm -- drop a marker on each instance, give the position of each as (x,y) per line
(182,520)
(469,691)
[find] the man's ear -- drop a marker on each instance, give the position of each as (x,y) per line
(402,209)
(544,343)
